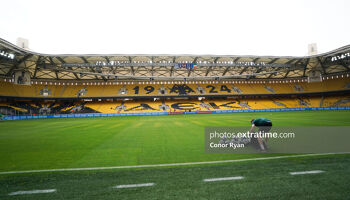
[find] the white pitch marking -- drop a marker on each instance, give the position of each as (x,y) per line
(134,185)
(306,172)
(32,192)
(223,179)
(169,164)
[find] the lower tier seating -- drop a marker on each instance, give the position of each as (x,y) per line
(132,106)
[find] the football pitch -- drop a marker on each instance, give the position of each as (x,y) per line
(44,144)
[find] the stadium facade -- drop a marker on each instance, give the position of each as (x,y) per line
(34,83)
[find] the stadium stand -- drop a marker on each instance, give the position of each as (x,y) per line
(215,96)
(109,90)
(144,106)
(68,84)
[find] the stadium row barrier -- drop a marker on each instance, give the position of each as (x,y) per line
(80,115)
(166,113)
(204,112)
(176,113)
(281,109)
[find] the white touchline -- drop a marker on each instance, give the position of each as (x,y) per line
(168,165)
(134,185)
(32,192)
(223,179)
(307,172)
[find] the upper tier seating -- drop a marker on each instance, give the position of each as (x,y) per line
(110,89)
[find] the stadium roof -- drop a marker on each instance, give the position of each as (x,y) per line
(165,66)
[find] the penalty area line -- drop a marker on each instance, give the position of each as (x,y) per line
(134,185)
(306,172)
(223,179)
(169,164)
(32,192)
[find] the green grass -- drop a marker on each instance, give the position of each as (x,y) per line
(134,140)
(137,140)
(262,180)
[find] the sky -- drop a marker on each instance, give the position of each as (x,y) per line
(220,27)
